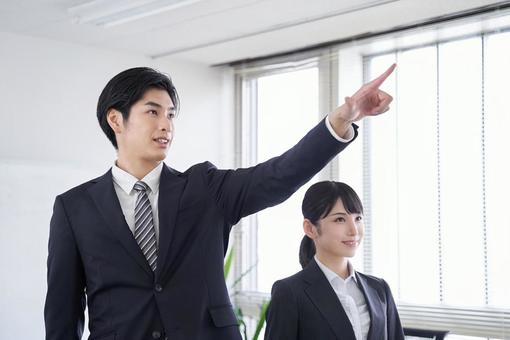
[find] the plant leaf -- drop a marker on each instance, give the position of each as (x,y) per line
(262,319)
(228,263)
(238,280)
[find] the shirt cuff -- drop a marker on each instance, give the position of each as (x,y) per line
(347,139)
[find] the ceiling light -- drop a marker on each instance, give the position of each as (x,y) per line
(107,13)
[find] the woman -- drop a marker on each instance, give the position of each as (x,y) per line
(328,299)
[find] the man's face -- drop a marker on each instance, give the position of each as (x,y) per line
(146,135)
(340,232)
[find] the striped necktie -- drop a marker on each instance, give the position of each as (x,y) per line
(145,233)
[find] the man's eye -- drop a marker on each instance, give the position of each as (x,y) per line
(153,112)
(171,115)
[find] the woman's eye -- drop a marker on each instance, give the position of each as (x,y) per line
(153,112)
(340,219)
(359,218)
(171,115)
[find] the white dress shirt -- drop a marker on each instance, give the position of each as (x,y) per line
(124,183)
(352,299)
(348,138)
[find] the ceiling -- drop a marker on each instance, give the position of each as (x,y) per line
(220,31)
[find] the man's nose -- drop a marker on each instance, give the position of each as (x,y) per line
(165,124)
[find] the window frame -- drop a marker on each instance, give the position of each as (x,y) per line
(483,322)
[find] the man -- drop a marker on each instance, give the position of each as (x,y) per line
(145,243)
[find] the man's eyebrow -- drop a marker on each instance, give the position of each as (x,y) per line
(154,104)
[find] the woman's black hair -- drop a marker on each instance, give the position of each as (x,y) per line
(125,89)
(318,202)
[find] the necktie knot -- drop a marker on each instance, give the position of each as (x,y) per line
(140,186)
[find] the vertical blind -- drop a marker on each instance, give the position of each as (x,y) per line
(436,185)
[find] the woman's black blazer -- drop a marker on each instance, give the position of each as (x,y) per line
(305,307)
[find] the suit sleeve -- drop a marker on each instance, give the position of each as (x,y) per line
(242,192)
(282,314)
(65,298)
(395,331)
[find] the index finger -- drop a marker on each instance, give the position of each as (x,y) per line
(379,80)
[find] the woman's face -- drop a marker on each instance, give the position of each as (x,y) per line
(340,232)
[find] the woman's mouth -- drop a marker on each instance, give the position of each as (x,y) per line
(352,243)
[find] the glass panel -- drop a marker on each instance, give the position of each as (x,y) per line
(350,161)
(497,176)
(417,175)
(287,109)
(461,172)
(383,147)
(351,172)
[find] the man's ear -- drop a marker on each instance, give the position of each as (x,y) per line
(309,229)
(115,120)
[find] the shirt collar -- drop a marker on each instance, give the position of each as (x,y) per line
(331,275)
(127,181)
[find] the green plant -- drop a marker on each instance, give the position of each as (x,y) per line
(239,313)
(228,263)
(262,320)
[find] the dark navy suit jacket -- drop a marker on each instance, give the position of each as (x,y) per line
(305,307)
(94,258)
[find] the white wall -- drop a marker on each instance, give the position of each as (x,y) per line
(50,141)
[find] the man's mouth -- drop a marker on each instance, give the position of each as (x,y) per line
(162,141)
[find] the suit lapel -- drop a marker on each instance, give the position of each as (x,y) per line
(170,191)
(105,198)
(325,299)
(375,307)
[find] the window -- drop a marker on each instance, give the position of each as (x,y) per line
(432,173)
(434,195)
(285,104)
(287,107)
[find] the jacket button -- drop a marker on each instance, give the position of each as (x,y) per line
(156,335)
(158,289)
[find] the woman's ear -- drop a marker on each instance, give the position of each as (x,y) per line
(309,229)
(115,120)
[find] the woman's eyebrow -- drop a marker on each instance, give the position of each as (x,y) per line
(338,213)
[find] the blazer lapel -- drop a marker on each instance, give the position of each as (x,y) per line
(106,201)
(376,309)
(170,191)
(325,299)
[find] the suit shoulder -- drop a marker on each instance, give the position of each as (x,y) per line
(371,278)
(79,189)
(200,167)
(209,172)
(172,171)
(293,282)
(375,281)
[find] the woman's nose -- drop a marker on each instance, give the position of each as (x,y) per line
(353,227)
